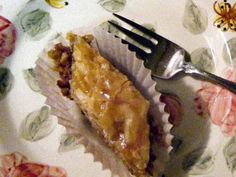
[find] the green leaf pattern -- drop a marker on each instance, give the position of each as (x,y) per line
(6,80)
(113,5)
(199,161)
(230,154)
(36,23)
(195,18)
(203,59)
(30,78)
(68,142)
(37,125)
(111,29)
(229,52)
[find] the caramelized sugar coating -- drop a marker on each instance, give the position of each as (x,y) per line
(115,108)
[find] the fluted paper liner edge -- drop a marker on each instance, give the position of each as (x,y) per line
(70,116)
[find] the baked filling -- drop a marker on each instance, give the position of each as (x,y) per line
(115,108)
(62,56)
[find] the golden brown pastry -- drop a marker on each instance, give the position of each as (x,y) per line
(115,108)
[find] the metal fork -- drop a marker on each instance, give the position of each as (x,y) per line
(165,58)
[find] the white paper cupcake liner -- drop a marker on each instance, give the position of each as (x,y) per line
(70,116)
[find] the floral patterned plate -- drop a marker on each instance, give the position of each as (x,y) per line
(32,143)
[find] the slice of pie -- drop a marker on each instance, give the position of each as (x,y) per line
(115,108)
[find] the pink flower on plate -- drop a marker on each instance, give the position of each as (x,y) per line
(7,38)
(17,165)
(219,104)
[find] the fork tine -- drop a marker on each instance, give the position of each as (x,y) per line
(139,27)
(141,40)
(140,52)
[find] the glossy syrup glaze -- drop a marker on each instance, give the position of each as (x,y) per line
(113,105)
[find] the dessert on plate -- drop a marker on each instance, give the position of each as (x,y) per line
(117,111)
(115,108)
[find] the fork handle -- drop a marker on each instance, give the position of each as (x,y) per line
(193,71)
